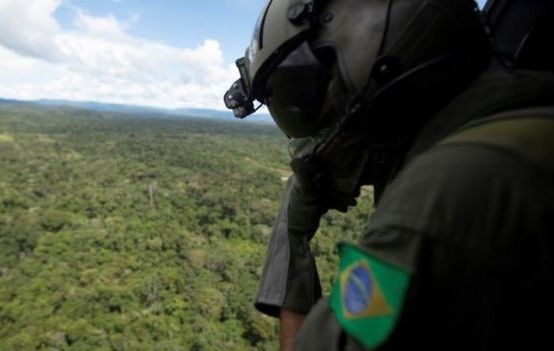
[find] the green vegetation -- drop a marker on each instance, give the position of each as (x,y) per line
(140,233)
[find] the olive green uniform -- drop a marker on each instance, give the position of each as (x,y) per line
(474,236)
(290,278)
(459,253)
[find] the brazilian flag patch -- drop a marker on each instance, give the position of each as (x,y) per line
(367,295)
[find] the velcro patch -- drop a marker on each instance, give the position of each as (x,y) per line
(367,295)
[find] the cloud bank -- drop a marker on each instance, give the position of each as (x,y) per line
(98,60)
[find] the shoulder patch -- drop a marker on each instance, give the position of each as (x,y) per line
(367,295)
(361,294)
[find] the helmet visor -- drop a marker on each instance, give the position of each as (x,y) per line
(296,92)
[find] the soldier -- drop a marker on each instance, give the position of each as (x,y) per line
(399,94)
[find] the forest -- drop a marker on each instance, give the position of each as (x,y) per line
(141,232)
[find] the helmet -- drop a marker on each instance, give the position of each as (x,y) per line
(384,64)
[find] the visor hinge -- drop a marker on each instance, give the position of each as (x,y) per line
(299,12)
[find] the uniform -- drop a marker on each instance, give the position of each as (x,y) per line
(468,224)
(290,278)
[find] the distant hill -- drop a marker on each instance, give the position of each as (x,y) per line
(137,109)
(12,102)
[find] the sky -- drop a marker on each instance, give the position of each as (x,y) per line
(161,53)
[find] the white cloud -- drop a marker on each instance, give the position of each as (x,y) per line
(99,60)
(28,28)
(99,26)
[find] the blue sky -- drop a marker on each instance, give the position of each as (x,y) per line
(164,53)
(180,23)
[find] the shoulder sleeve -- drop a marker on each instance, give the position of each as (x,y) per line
(472,224)
(446,193)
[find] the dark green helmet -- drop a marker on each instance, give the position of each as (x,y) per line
(316,62)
